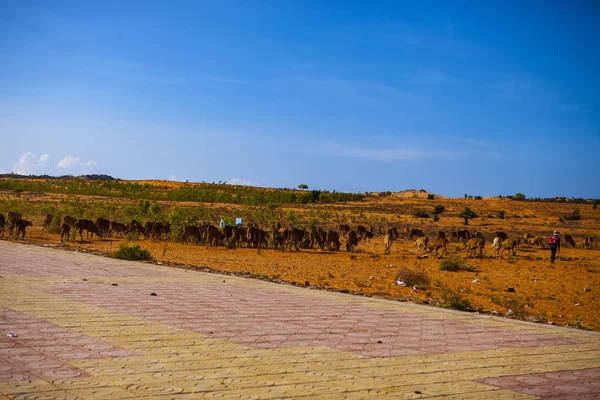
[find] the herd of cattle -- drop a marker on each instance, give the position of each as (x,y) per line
(291,237)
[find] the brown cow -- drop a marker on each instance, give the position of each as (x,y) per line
(214,236)
(65,232)
(89,227)
(474,246)
(118,228)
(509,245)
(415,233)
(587,242)
(360,231)
(367,237)
(69,221)
(421,244)
(569,240)
(12,218)
(21,226)
(333,240)
(103,226)
(463,236)
(351,240)
(191,232)
(502,235)
(343,229)
(440,243)
(295,238)
(136,228)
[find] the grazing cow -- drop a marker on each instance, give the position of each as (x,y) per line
(475,246)
(136,228)
(213,235)
(118,228)
(69,221)
(65,232)
(496,243)
(368,236)
(88,226)
(388,240)
(295,237)
(539,241)
(509,245)
(47,220)
(21,226)
(2,224)
(333,240)
(280,237)
(360,231)
(503,236)
(191,232)
(527,236)
(587,242)
(318,237)
(228,233)
(237,236)
(103,226)
(421,244)
(440,243)
(415,233)
(569,240)
(12,218)
(351,240)
(149,229)
(343,229)
(463,236)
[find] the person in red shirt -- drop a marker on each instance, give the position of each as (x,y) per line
(554,243)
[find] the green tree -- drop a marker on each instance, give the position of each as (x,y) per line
(303,186)
(438,209)
(467,214)
(519,196)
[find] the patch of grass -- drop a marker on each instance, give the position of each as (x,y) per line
(413,277)
(131,253)
(362,283)
(456,264)
(454,300)
(515,306)
(451,264)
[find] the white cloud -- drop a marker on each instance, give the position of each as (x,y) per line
(173,178)
(242,182)
(89,165)
(70,162)
(29,163)
(387,154)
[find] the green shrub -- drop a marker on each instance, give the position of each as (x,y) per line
(453,300)
(413,277)
(420,214)
(131,253)
(451,264)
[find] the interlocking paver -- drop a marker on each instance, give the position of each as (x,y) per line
(210,336)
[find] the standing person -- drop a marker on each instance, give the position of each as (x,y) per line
(554,243)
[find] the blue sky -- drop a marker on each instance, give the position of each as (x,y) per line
(454,97)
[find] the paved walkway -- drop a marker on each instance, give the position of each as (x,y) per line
(91,327)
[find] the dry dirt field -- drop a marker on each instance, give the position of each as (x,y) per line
(527,286)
